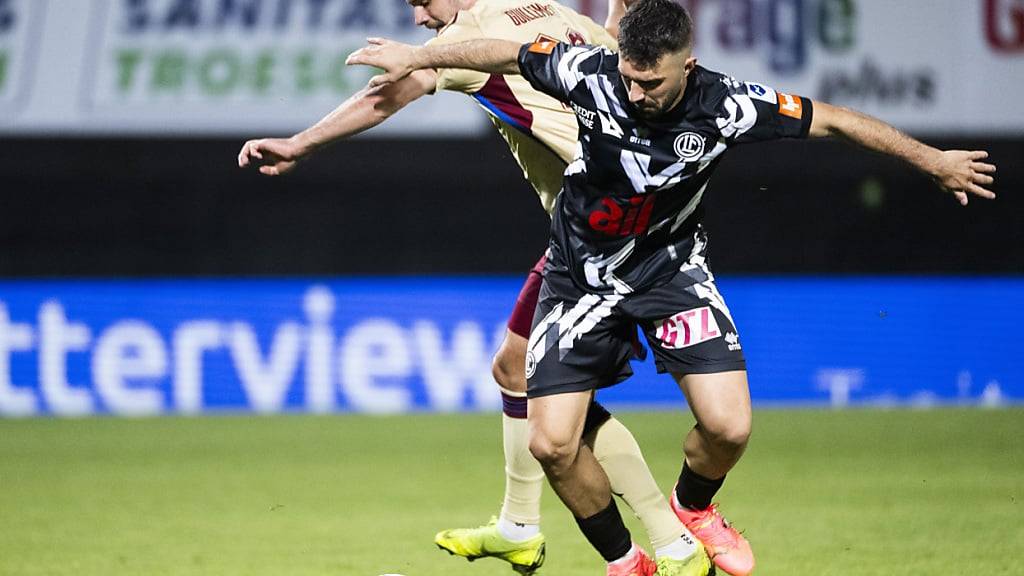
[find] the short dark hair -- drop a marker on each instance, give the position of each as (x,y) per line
(652,28)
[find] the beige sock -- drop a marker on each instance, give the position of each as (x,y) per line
(524,478)
(620,456)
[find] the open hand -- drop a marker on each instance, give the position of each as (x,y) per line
(272,156)
(394,58)
(963,173)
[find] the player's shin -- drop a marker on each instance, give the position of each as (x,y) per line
(619,454)
(524,478)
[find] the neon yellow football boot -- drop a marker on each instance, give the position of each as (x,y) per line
(483,542)
(698,564)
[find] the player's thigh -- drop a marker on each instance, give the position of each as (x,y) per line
(556,423)
(719,401)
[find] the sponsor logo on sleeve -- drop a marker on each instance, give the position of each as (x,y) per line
(761,92)
(688,328)
(791,106)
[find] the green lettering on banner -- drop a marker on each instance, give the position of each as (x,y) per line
(169,71)
(263,74)
(226,71)
(339,72)
(127,65)
(837,24)
(219,72)
(305,77)
(3,71)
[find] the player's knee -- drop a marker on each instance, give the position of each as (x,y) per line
(554,454)
(730,436)
(509,371)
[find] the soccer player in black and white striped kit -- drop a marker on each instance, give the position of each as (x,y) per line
(628,249)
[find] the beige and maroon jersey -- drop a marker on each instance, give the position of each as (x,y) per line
(540,131)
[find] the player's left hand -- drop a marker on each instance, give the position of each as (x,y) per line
(394,58)
(962,173)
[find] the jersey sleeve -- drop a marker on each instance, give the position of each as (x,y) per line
(555,68)
(465,27)
(751,112)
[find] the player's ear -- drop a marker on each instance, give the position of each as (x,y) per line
(690,64)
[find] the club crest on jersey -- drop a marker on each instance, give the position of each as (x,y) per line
(689,146)
(688,328)
(531,364)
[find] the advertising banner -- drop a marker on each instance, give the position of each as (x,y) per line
(187,67)
(420,344)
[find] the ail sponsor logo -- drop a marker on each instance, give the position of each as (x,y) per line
(629,220)
(688,328)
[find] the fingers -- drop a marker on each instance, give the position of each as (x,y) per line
(269,170)
(978,155)
(357,57)
(243,156)
(379,80)
(979,191)
(983,167)
(249,150)
(961,197)
(982,179)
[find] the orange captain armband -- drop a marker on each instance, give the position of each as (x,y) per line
(543,47)
(792,106)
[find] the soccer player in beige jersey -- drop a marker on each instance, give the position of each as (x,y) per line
(541,133)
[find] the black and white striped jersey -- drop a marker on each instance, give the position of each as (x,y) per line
(631,199)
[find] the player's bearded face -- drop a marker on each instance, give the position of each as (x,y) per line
(433,14)
(657,89)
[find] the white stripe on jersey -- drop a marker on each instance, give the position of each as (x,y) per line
(636,165)
(732,126)
(569,66)
(689,208)
(706,290)
(599,269)
(578,164)
(610,91)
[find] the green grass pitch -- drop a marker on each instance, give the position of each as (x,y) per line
(827,493)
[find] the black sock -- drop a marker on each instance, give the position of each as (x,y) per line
(606,533)
(695,491)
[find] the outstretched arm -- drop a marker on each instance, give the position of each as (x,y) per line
(959,172)
(616,10)
(400,60)
(364,110)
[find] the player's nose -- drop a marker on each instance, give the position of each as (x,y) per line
(636,94)
(419,15)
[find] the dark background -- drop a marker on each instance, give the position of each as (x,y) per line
(145,207)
